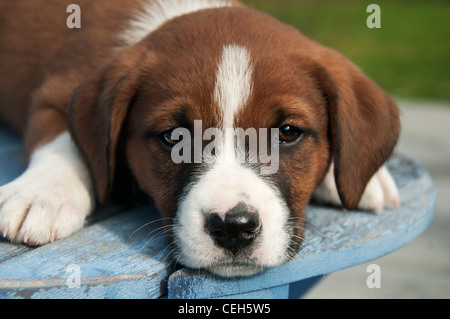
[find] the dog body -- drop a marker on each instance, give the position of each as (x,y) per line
(91,101)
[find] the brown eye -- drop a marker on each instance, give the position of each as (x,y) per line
(290,134)
(166,138)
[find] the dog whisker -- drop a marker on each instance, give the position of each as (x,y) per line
(148,224)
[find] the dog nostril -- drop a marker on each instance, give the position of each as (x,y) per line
(236,231)
(250,233)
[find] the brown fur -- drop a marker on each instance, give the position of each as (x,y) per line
(43,61)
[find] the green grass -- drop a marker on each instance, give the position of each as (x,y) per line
(409,56)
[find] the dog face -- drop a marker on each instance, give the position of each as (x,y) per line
(227,89)
(233,68)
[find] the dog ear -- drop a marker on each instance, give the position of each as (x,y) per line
(96,113)
(364,124)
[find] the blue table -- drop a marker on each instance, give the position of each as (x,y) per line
(122,252)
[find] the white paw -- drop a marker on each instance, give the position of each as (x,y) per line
(49,201)
(380,192)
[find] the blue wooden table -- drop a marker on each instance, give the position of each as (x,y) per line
(122,253)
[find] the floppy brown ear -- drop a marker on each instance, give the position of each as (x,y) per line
(96,113)
(364,125)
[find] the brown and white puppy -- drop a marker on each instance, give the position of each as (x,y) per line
(95,102)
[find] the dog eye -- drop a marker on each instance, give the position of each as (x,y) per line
(166,138)
(290,134)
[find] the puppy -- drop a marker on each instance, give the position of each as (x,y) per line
(105,101)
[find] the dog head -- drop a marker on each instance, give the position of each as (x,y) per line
(233,68)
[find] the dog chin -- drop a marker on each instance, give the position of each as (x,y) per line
(235,269)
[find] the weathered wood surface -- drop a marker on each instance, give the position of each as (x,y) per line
(122,253)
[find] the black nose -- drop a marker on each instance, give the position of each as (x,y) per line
(238,230)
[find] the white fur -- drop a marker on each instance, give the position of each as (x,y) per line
(231,92)
(155,13)
(233,82)
(226,183)
(380,192)
(219,190)
(51,199)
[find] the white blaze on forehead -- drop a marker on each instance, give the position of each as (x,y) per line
(154,14)
(232,91)
(233,82)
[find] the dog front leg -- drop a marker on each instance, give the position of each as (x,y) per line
(52,198)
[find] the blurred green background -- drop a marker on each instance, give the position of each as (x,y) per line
(409,56)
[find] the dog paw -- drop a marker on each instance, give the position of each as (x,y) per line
(38,212)
(50,200)
(380,192)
